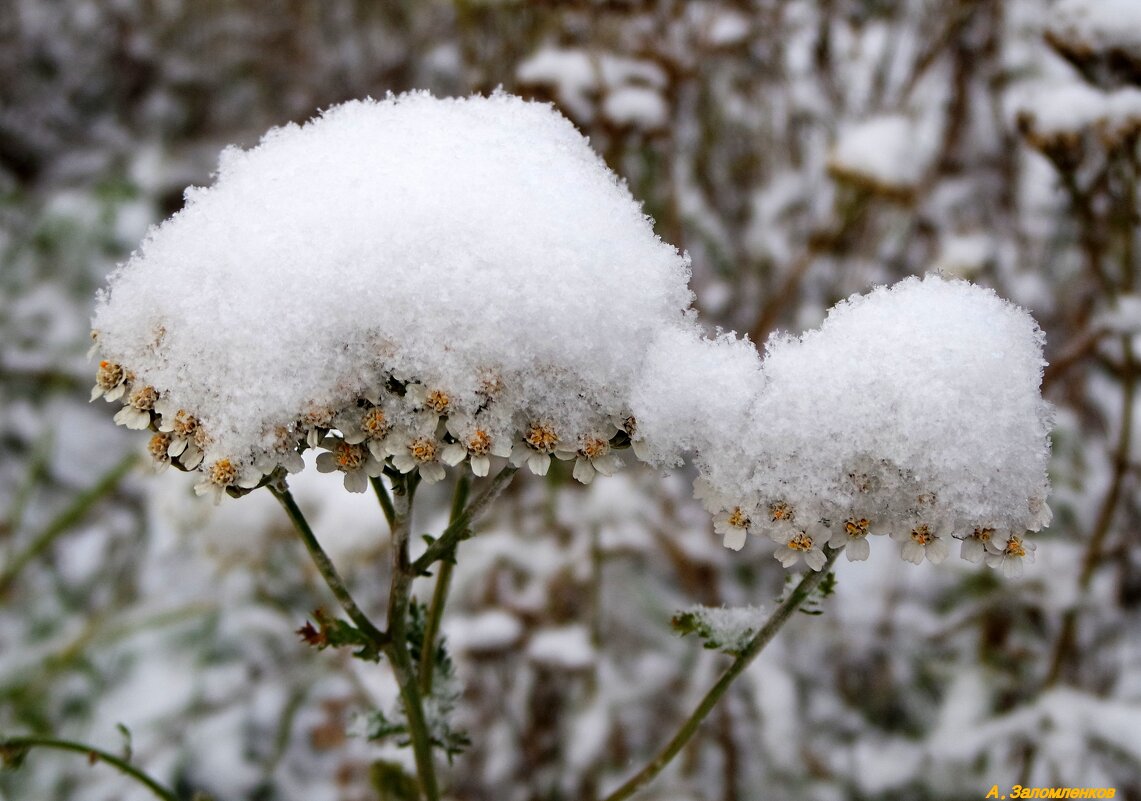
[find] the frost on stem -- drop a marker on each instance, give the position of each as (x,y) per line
(424,284)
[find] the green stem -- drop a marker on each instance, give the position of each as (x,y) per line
(13,748)
(397,647)
(440,593)
(455,531)
(689,728)
(64,521)
(385,500)
(324,564)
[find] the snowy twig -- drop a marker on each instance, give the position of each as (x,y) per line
(689,728)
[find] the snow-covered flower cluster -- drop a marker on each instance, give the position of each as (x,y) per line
(419,284)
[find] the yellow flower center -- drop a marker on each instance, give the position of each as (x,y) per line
(185,424)
(374,423)
(1014,547)
(856,527)
(781,511)
(143,398)
(318,418)
(922,534)
(541,437)
(983,534)
(738,518)
(437,400)
(349,457)
(109,376)
(479,443)
(223,473)
(423,449)
(158,445)
(800,542)
(594,447)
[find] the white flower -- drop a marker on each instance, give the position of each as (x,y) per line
(316,423)
(369,426)
(158,448)
(184,430)
(732,524)
(540,442)
(432,402)
(1010,556)
(975,545)
(222,474)
(355,461)
(922,541)
(417,452)
(595,457)
(473,442)
(853,538)
(799,544)
(136,414)
(111,381)
(780,518)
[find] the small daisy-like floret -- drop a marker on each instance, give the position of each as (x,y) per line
(922,541)
(353,459)
(595,457)
(418,452)
(801,544)
(136,414)
(110,381)
(540,443)
(1010,556)
(852,536)
(157,447)
(474,442)
(733,524)
(223,473)
(979,542)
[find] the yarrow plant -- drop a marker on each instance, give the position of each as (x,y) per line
(416,287)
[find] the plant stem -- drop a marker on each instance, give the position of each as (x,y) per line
(13,748)
(397,647)
(691,724)
(66,519)
(455,530)
(385,500)
(324,564)
(440,593)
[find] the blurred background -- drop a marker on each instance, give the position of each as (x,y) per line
(800,151)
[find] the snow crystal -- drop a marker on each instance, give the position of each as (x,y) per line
(890,153)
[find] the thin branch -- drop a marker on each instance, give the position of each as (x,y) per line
(397,649)
(385,500)
(64,521)
(12,749)
(691,724)
(440,593)
(324,564)
(441,547)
